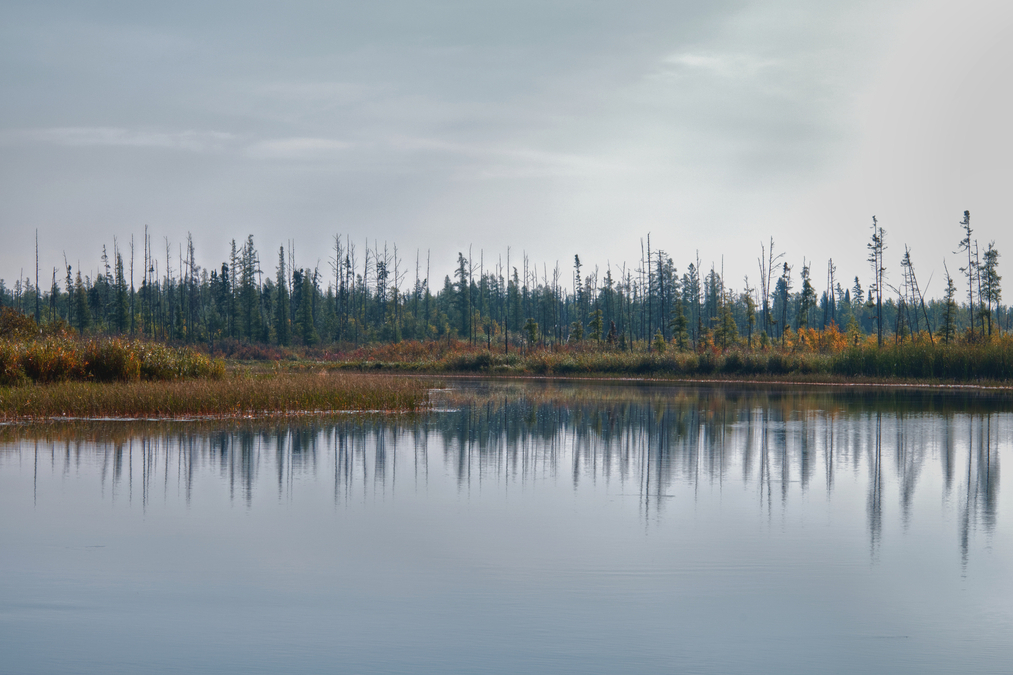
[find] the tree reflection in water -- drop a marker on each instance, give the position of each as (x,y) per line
(643,439)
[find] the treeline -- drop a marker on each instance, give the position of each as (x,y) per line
(372,294)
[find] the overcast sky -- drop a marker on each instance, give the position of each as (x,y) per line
(551,127)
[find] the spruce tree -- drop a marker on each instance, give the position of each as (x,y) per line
(307,322)
(750,304)
(122,308)
(728,332)
(807,300)
(281,306)
(949,328)
(679,325)
(531,328)
(966,245)
(463,293)
(596,325)
(82,313)
(990,290)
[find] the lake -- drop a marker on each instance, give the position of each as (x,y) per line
(535,527)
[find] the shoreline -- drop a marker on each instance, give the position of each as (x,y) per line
(306,390)
(780,382)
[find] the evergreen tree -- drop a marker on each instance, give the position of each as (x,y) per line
(750,305)
(966,245)
(531,328)
(806,301)
(305,320)
(680,325)
(876,246)
(612,339)
(248,295)
(576,332)
(307,309)
(281,305)
(82,313)
(691,301)
(514,291)
(783,293)
(727,332)
(122,309)
(578,291)
(991,290)
(54,298)
(949,328)
(596,325)
(70,293)
(658,343)
(463,294)
(857,294)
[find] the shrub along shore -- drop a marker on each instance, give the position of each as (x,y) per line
(58,375)
(986,362)
(370,381)
(62,359)
(54,353)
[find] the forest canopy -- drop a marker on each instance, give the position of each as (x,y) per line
(371,294)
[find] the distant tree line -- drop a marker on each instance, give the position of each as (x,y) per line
(371,293)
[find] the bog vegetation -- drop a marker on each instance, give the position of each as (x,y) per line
(28,354)
(286,393)
(372,306)
(810,353)
(101,376)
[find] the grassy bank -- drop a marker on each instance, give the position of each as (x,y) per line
(61,359)
(227,396)
(990,362)
(55,353)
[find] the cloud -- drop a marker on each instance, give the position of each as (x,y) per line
(84,137)
(489,161)
(707,121)
(723,65)
(300,148)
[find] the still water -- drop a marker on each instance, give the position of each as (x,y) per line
(519,528)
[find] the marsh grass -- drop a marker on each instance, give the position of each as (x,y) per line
(239,395)
(919,360)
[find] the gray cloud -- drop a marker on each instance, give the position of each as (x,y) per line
(83,137)
(550,126)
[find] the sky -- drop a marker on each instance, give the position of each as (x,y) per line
(551,127)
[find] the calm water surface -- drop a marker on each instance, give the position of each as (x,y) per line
(537,528)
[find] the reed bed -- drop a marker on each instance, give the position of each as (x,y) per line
(223,397)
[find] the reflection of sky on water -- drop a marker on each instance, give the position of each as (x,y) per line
(523,528)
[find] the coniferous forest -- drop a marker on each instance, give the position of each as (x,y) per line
(372,293)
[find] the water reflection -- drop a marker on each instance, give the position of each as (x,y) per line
(645,441)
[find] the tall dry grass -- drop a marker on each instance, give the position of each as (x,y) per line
(229,396)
